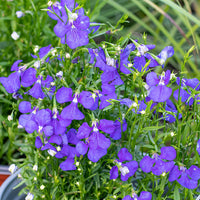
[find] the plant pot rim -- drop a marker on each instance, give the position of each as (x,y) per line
(8,184)
(4,170)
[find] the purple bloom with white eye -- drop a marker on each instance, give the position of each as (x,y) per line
(72,27)
(138,108)
(96,142)
(143,196)
(42,88)
(12,83)
(63,142)
(139,60)
(127,169)
(157,165)
(43,51)
(66,150)
(158,91)
(71,112)
(39,121)
(185,91)
(166,53)
(107,65)
(42,122)
(193,83)
(188,178)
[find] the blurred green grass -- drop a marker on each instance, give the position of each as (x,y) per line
(149,16)
(34,28)
(166,22)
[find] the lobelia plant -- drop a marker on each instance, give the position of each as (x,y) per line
(84,104)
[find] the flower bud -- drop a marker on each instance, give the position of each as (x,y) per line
(35,168)
(67,55)
(29,196)
(19,14)
(42,187)
(10,117)
(14,36)
(12,168)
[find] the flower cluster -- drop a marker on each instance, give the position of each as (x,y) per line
(72,27)
(69,116)
(127,169)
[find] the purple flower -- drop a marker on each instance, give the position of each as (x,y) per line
(72,27)
(42,122)
(111,78)
(166,53)
(99,58)
(170,112)
(107,65)
(185,91)
(42,88)
(124,62)
(188,178)
(68,164)
(28,77)
(94,140)
(35,121)
(27,120)
(140,60)
(43,52)
(69,151)
(71,112)
(198,146)
(157,164)
(127,169)
(116,135)
(138,108)
(38,142)
(12,83)
(170,107)
(143,196)
(63,148)
(108,92)
(158,91)
(59,124)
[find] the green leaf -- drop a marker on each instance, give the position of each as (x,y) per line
(108,107)
(176,193)
(152,128)
(117,191)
